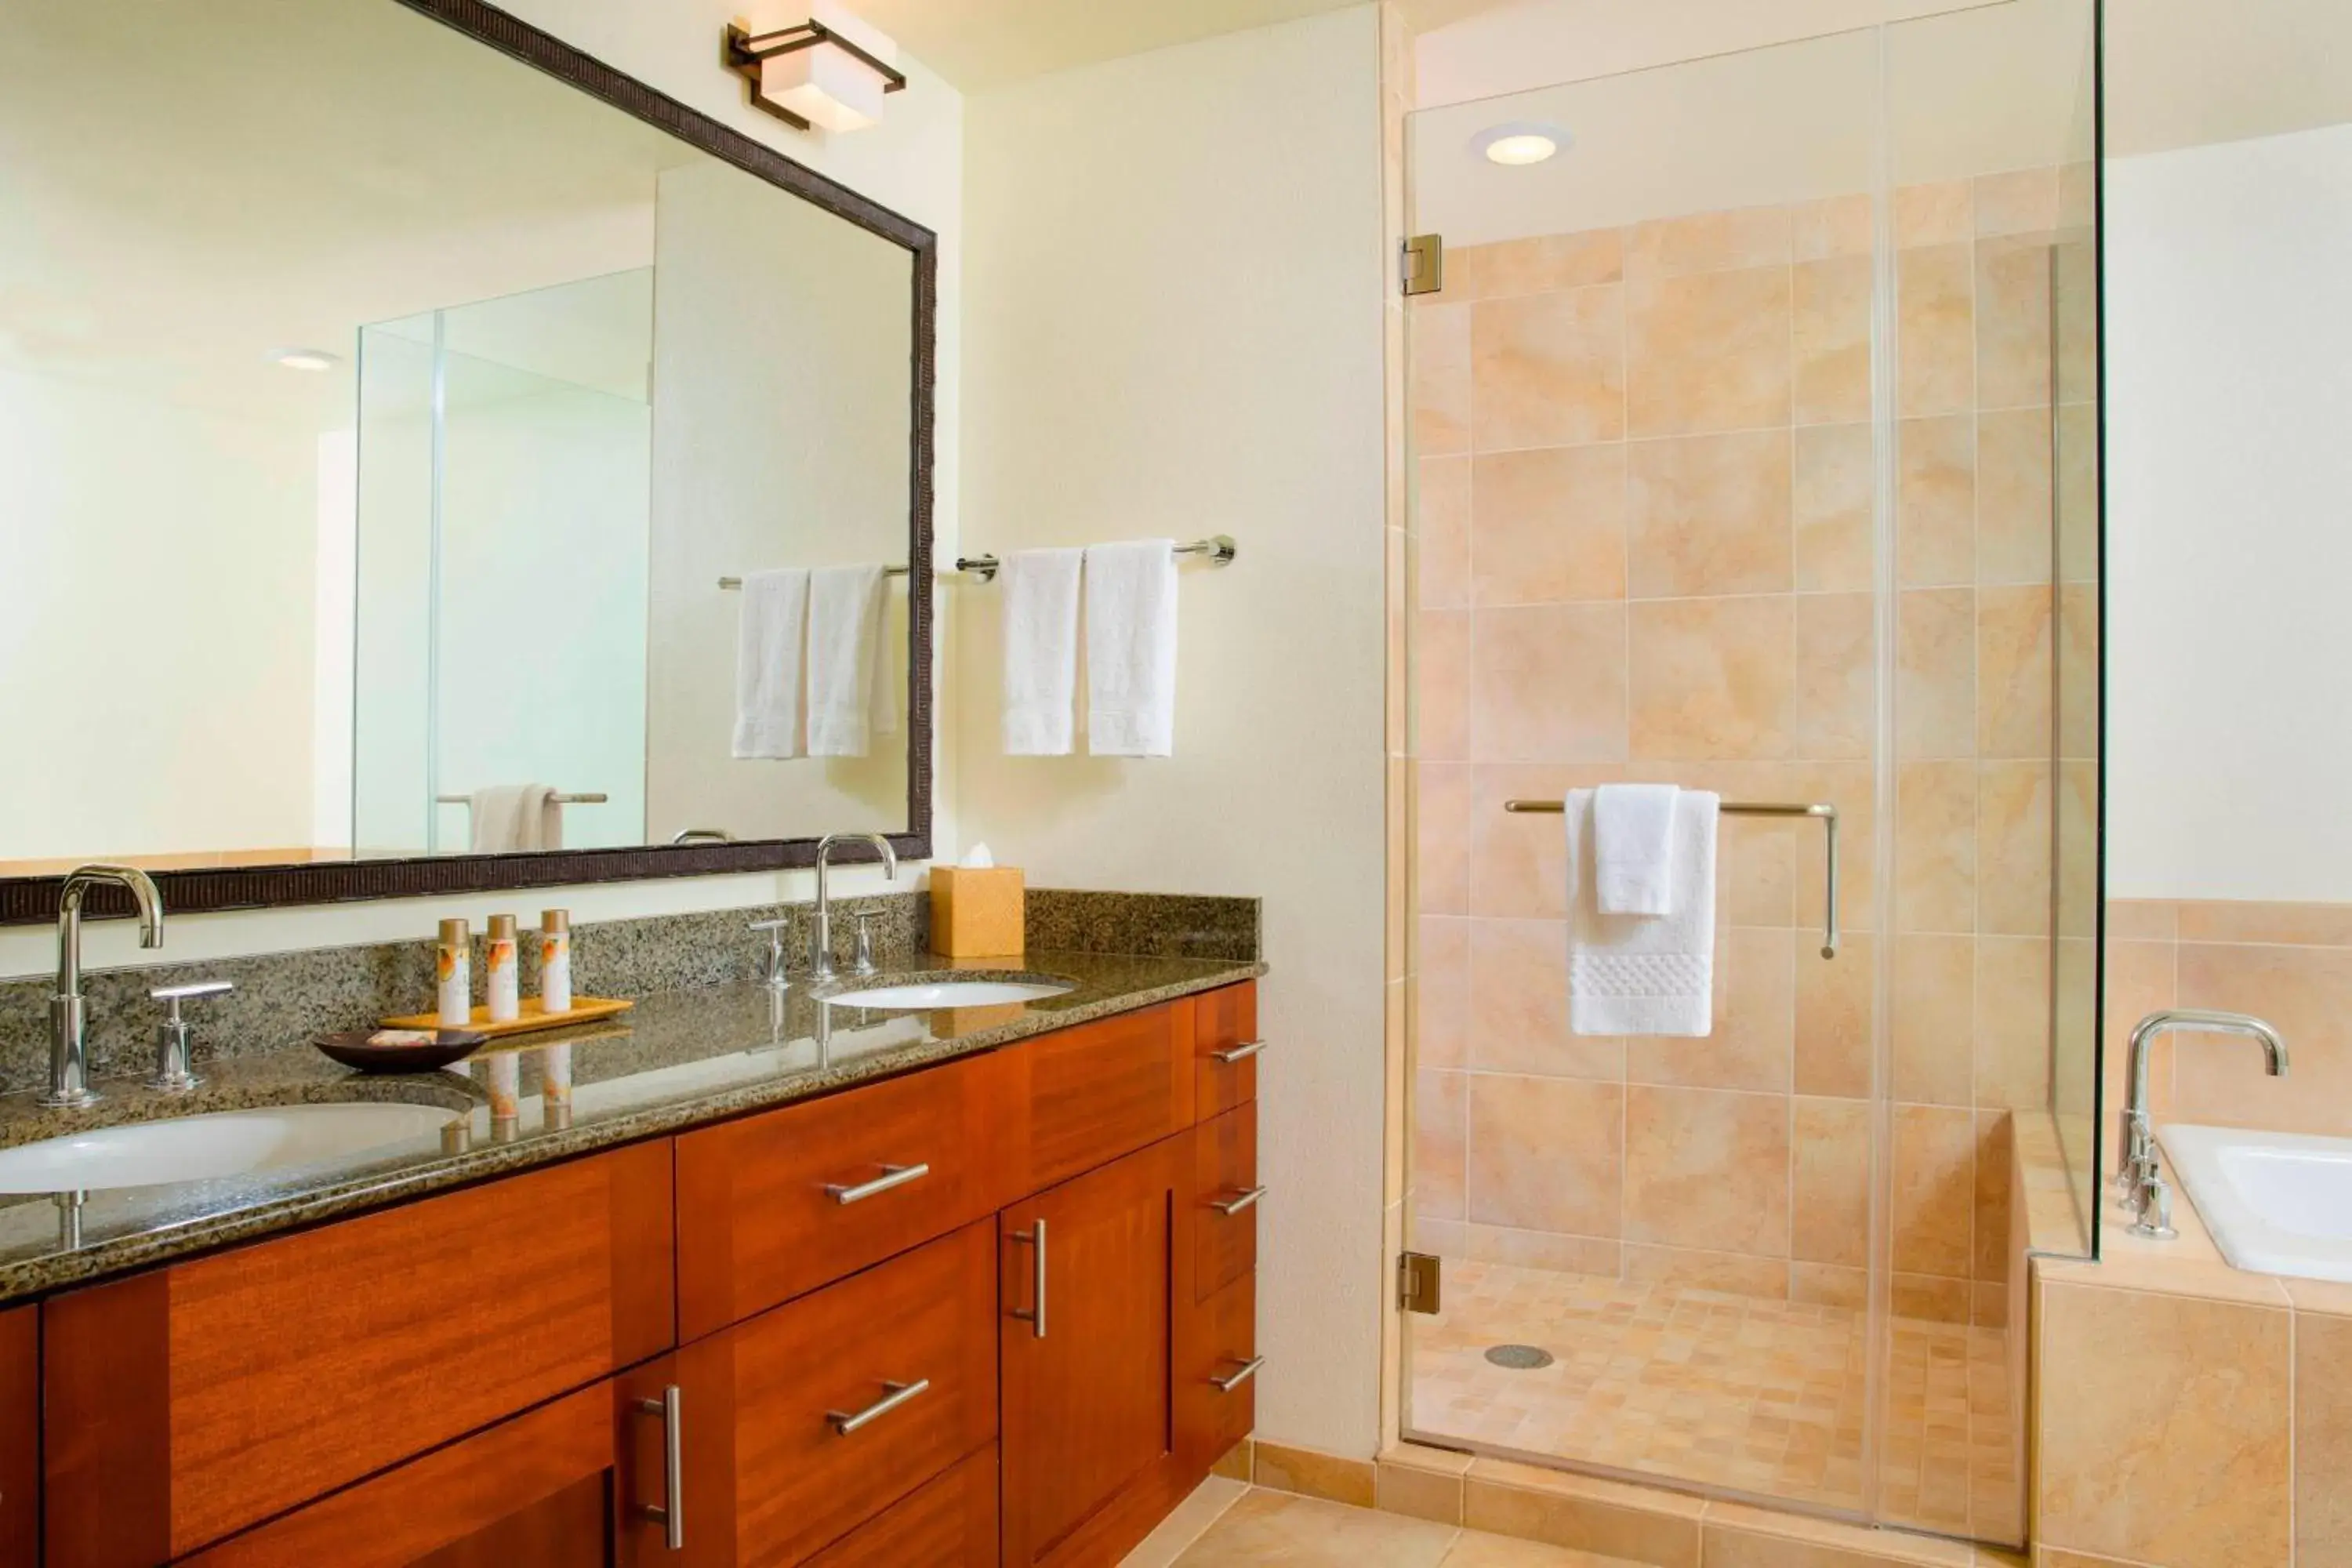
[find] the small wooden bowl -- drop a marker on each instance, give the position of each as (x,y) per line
(353,1048)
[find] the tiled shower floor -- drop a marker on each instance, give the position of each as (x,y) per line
(1708,1388)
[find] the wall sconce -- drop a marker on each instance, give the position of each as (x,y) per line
(815,63)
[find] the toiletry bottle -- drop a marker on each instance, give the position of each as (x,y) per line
(555,960)
(501,972)
(453,973)
(506,1085)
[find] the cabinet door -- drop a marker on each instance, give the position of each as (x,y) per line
(1094,1272)
(565,1486)
(20,1435)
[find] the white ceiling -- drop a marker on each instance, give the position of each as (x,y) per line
(982,44)
(2184,73)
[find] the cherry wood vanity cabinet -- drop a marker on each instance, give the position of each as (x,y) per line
(997,1311)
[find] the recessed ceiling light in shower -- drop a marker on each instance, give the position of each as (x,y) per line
(303,359)
(1520,143)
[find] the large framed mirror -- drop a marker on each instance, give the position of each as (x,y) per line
(394,402)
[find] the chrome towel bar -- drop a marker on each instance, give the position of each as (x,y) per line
(1219,548)
(1828,815)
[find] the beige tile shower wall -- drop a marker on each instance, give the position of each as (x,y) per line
(2290,964)
(1644,550)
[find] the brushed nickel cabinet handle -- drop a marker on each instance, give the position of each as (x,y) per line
(1238,1201)
(1035,1237)
(1248,1370)
(891,1176)
(1240,1053)
(670,1513)
(845,1422)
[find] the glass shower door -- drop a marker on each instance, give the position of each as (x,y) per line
(1652,465)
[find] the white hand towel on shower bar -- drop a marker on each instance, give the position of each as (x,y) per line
(845,627)
(1041,651)
(770,668)
(1634,848)
(1644,974)
(1132,648)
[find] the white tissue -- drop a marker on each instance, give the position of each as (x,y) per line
(977,858)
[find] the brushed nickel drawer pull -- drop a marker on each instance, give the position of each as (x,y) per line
(1240,1053)
(1238,1201)
(846,1422)
(1034,1236)
(670,1513)
(1248,1370)
(891,1176)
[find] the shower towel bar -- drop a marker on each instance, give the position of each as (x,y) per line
(598,798)
(1827,814)
(1219,548)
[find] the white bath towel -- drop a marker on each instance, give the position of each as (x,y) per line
(1634,848)
(1644,974)
(771,679)
(1041,651)
(511,817)
(1132,648)
(844,629)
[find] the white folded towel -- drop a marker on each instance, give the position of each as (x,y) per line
(844,629)
(1644,974)
(511,817)
(769,671)
(1132,648)
(1634,848)
(1041,651)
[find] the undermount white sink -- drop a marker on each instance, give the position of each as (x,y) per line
(949,994)
(205,1148)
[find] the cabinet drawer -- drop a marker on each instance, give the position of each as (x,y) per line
(1216,1391)
(1225,1044)
(1224,1178)
(767,1462)
(198,1399)
(1094,1094)
(951,1523)
(771,1207)
(561,1487)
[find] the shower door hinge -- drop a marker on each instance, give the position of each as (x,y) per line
(1420,1288)
(1424,264)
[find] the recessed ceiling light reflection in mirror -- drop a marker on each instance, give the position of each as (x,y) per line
(1520,143)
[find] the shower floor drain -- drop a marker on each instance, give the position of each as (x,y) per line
(1520,1358)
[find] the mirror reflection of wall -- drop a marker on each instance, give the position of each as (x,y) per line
(402,462)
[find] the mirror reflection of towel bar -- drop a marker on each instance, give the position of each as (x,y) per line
(1219,548)
(1829,820)
(597,798)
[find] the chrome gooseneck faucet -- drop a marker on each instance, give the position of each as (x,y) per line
(821,929)
(2141,1180)
(68,1015)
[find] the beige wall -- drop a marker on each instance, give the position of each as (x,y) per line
(914,162)
(1177,281)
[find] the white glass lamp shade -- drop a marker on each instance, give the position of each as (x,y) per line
(827,86)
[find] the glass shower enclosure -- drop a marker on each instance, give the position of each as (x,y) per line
(504,460)
(1734,452)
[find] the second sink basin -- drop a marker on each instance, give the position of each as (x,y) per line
(205,1148)
(950,994)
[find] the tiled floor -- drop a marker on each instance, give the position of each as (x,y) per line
(1228,1525)
(1705,1387)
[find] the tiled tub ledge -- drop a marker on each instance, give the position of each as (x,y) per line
(2188,1414)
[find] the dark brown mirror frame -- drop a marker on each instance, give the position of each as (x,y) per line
(27,899)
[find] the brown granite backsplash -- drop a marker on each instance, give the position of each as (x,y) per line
(285,999)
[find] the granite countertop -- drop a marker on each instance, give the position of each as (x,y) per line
(676,1059)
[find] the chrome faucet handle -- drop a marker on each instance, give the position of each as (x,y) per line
(2155,1220)
(864,963)
(775,979)
(174,1063)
